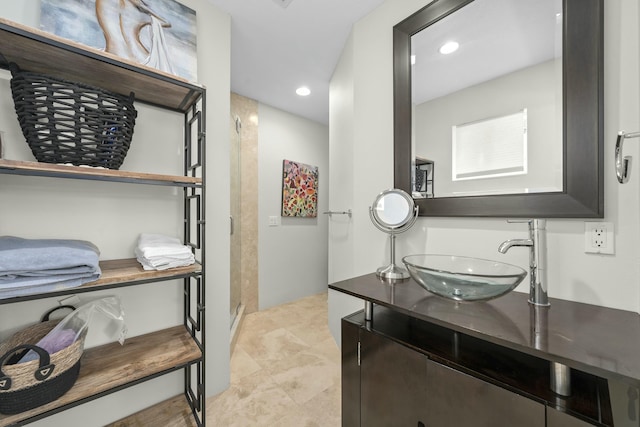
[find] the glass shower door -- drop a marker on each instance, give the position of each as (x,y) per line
(236,276)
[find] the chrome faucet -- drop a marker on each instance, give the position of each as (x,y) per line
(537,243)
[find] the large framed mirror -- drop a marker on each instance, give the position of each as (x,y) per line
(556,170)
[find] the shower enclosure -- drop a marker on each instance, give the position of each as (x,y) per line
(236,232)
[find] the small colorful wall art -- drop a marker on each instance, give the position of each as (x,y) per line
(299,189)
(158,33)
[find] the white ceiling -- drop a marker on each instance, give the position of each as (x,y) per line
(275,50)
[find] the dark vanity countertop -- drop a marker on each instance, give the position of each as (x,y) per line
(598,340)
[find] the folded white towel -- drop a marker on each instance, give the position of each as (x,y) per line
(158,258)
(164,264)
(151,245)
(160,252)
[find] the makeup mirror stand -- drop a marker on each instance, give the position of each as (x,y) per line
(393,212)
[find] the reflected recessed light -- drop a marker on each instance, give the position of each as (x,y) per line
(449,47)
(303,91)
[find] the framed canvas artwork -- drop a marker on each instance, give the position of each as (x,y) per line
(157,33)
(299,189)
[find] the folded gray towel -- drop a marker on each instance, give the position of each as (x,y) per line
(50,284)
(23,255)
(37,265)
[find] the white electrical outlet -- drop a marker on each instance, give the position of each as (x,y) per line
(598,238)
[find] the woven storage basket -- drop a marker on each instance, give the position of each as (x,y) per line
(68,122)
(28,385)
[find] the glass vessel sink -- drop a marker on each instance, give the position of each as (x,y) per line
(461,278)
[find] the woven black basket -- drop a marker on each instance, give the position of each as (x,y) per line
(43,390)
(68,122)
(28,385)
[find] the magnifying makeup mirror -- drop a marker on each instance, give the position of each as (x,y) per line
(393,212)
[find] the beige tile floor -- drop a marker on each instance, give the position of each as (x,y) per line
(285,370)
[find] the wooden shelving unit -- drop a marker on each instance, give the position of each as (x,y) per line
(110,368)
(174,412)
(17,167)
(42,52)
(118,273)
(426,167)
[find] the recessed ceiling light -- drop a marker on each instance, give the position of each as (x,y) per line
(449,47)
(303,91)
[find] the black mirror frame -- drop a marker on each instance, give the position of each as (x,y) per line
(583,122)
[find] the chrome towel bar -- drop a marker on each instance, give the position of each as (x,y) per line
(338,213)
(623,164)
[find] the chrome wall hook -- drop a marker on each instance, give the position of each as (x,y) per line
(623,164)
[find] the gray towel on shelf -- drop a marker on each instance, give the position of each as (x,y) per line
(53,284)
(40,265)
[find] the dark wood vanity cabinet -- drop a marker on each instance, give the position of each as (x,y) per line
(386,383)
(383,382)
(399,371)
(556,418)
(425,361)
(457,399)
(393,386)
(350,373)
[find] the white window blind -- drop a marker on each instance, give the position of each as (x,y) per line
(490,148)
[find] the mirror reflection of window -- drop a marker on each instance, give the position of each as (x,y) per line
(490,148)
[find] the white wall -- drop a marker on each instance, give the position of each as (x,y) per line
(292,256)
(341,158)
(112,215)
(214,72)
(607,280)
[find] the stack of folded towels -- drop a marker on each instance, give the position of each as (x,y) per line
(29,266)
(160,252)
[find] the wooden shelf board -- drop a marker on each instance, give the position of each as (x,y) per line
(174,412)
(116,273)
(38,51)
(130,270)
(63,171)
(112,367)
